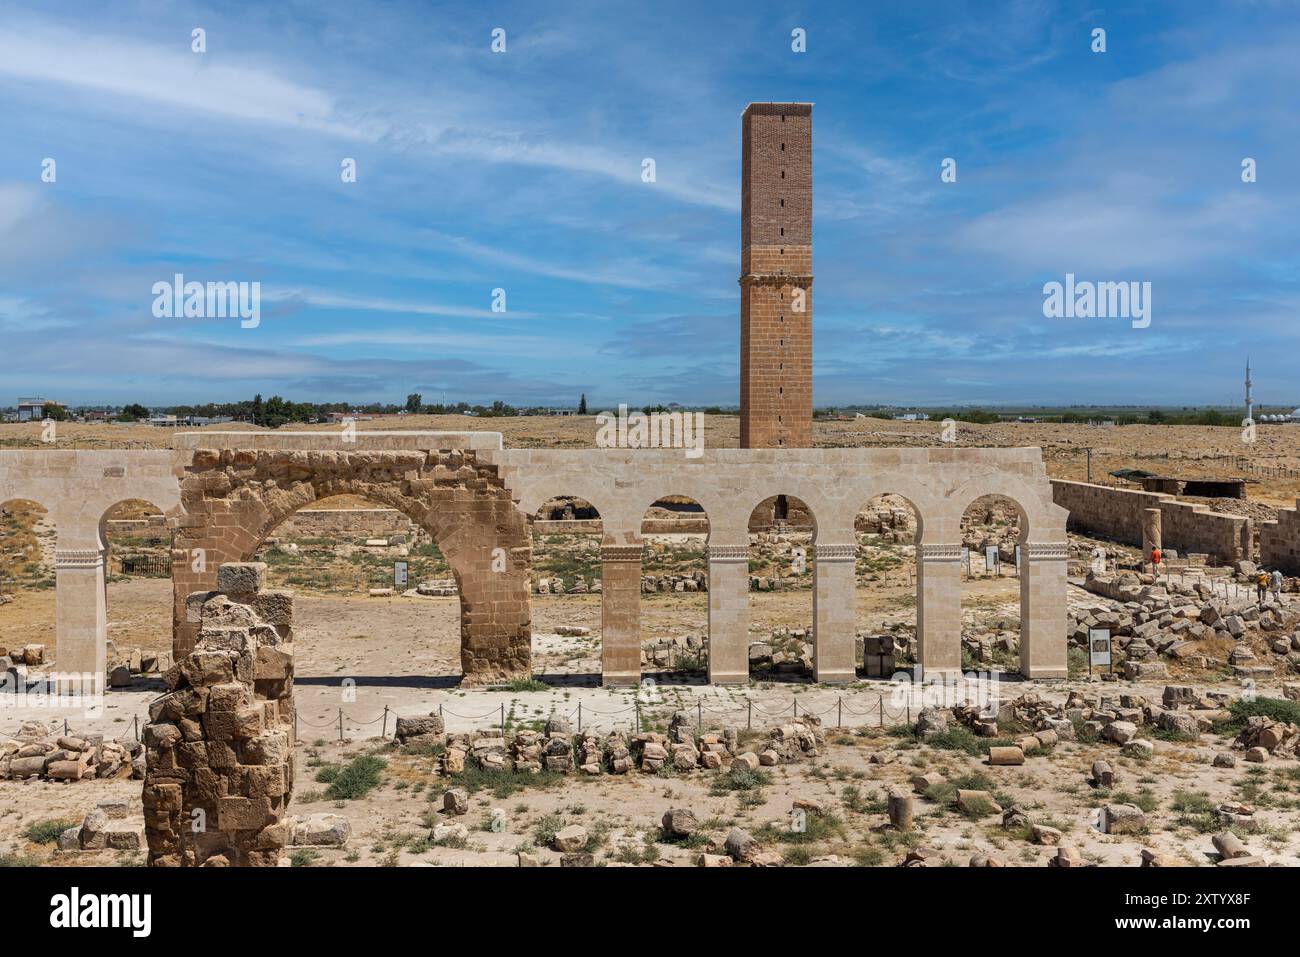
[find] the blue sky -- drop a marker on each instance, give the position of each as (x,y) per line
(521,171)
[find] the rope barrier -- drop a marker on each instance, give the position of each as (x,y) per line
(876,708)
(494,713)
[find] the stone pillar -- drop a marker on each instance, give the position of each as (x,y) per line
(1042,610)
(219,773)
(620,614)
(729,614)
(833,613)
(938,607)
(81,610)
(1150,532)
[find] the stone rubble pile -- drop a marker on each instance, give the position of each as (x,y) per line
(1262,737)
(109,827)
(556,586)
(560,750)
(123,666)
(31,656)
(693,581)
(1181,712)
(1148,622)
(674,651)
(37,752)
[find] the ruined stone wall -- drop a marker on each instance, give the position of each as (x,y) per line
(219,745)
(1279,542)
(234,498)
(1116,514)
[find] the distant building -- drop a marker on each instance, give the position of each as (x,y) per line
(913,417)
(33,408)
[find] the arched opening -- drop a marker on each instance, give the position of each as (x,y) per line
(137,590)
(27,577)
(992,530)
(461,502)
(674,589)
(565,582)
(781,533)
(374,599)
(886,530)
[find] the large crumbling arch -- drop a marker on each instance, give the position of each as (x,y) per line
(234,498)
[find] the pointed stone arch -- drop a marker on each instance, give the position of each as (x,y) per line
(234,498)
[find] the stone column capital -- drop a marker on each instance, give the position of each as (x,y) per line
(1045,551)
(620,553)
(729,553)
(79,557)
(938,552)
(834,553)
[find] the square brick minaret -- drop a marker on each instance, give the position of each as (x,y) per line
(776,277)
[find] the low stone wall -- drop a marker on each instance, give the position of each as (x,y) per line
(345,523)
(1279,542)
(152,525)
(567,526)
(1116,514)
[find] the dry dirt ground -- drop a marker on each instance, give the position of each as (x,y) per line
(391,825)
(402,655)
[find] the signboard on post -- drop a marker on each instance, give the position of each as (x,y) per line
(991,562)
(965,559)
(401,574)
(1017,559)
(1098,648)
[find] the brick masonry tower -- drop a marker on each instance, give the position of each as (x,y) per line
(776,277)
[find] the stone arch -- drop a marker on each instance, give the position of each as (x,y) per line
(782,541)
(679,565)
(27,575)
(139,610)
(880,575)
(987,648)
(234,498)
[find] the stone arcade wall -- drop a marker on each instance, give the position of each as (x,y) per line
(1279,542)
(1116,514)
(834,485)
(220,744)
(234,498)
(224,493)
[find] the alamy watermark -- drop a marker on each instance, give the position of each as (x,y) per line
(1084,299)
(179,299)
(651,430)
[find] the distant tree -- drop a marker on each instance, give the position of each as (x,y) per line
(53,411)
(133,413)
(257,409)
(413,402)
(582,404)
(1155,415)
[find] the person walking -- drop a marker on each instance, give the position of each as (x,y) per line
(1261,586)
(1275,580)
